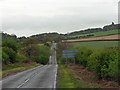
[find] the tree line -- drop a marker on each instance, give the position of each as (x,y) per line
(26,51)
(93,30)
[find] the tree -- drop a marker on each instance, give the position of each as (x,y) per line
(29,47)
(34,52)
(5,58)
(47,39)
(29,42)
(8,53)
(10,44)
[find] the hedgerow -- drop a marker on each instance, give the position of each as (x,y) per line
(103,62)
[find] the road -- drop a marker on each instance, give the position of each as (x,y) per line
(43,76)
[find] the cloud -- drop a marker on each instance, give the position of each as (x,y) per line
(27,17)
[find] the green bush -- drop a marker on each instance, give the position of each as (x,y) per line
(5,58)
(10,44)
(83,55)
(12,54)
(47,44)
(34,52)
(42,59)
(104,62)
(43,56)
(111,69)
(21,58)
(44,50)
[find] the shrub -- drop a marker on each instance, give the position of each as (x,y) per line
(83,55)
(104,62)
(95,62)
(47,44)
(42,59)
(44,50)
(43,56)
(5,58)
(10,53)
(10,44)
(21,58)
(111,69)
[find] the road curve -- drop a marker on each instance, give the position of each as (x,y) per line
(43,76)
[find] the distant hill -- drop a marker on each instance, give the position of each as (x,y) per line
(40,37)
(93,30)
(48,36)
(13,37)
(58,37)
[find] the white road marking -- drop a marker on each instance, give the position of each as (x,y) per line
(55,80)
(55,77)
(23,83)
(29,78)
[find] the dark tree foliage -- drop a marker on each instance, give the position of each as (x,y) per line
(29,47)
(9,55)
(93,30)
(10,44)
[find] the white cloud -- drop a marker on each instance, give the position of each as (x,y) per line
(56,15)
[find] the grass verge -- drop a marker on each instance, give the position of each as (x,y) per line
(88,79)
(65,78)
(17,67)
(68,79)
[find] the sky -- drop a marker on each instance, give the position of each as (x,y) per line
(30,17)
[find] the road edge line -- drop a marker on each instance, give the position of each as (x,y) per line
(55,77)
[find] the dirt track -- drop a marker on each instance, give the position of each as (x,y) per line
(94,38)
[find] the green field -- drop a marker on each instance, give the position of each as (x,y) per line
(98,34)
(96,44)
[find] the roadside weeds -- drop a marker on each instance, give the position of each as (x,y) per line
(75,76)
(18,67)
(82,75)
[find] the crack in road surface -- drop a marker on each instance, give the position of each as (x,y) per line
(43,76)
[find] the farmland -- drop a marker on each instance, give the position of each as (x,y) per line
(96,44)
(97,34)
(111,37)
(85,71)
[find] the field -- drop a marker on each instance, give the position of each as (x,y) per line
(96,44)
(111,37)
(98,34)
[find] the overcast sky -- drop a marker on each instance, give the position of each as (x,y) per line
(29,17)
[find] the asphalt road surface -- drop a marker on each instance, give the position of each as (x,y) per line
(43,76)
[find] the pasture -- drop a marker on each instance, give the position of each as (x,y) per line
(96,44)
(98,34)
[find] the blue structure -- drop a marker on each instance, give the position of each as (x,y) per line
(69,53)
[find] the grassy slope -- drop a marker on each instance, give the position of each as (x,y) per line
(97,34)
(96,44)
(17,67)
